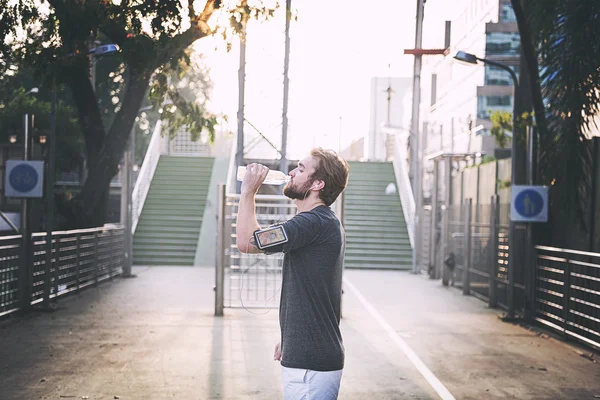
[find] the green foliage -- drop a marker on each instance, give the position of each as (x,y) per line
(487,160)
(501,129)
(566,34)
(153,36)
(503,184)
(180,94)
(16,103)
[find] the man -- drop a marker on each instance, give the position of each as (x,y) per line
(311,350)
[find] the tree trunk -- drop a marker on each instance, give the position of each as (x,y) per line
(90,205)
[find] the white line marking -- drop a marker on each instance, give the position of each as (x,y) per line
(435,383)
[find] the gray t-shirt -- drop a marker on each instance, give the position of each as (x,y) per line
(309,314)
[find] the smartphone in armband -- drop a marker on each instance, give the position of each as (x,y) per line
(269,237)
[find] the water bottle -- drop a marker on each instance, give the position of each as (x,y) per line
(274,177)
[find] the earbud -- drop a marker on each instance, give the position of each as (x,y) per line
(313,187)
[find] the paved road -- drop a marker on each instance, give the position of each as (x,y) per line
(154,337)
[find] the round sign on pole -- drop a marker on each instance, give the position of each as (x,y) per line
(529,204)
(24,178)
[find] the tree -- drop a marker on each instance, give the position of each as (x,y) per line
(501,126)
(15,103)
(561,48)
(54,36)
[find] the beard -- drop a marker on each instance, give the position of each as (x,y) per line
(296,193)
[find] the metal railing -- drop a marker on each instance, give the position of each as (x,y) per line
(476,254)
(144,179)
(567,293)
(248,280)
(81,258)
(404,186)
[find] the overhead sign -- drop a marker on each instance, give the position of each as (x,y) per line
(529,204)
(24,179)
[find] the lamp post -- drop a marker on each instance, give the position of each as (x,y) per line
(26,272)
(473,59)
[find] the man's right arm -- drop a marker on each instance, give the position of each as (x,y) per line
(246,222)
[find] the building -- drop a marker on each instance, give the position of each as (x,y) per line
(386,108)
(458,98)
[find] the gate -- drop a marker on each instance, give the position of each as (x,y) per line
(248,281)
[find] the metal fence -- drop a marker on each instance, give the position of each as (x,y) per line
(476,253)
(80,258)
(248,280)
(567,293)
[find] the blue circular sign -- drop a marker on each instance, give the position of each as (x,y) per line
(529,203)
(23,178)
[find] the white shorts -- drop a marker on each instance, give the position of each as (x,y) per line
(306,384)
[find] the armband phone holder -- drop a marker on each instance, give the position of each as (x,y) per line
(269,237)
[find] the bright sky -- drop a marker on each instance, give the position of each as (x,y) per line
(337,46)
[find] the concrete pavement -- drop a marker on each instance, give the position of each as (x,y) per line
(155,337)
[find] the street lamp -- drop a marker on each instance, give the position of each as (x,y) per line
(473,59)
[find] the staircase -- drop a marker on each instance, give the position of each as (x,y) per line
(169,226)
(376,233)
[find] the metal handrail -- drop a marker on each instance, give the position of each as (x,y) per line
(403,181)
(79,258)
(562,288)
(142,184)
(568,251)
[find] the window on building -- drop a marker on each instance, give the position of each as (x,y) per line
(486,105)
(433,88)
(502,44)
(507,14)
(498,76)
(498,100)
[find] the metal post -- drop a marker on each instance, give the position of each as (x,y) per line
(50,194)
(566,297)
(418,192)
(342,205)
(468,257)
(530,262)
(220,259)
(126,219)
(286,84)
(25,267)
(493,252)
(239,155)
(57,267)
(444,240)
(110,253)
(512,240)
(78,260)
(96,245)
(434,220)
(416,99)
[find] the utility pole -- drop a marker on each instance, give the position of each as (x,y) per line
(286,88)
(416,100)
(415,152)
(239,155)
